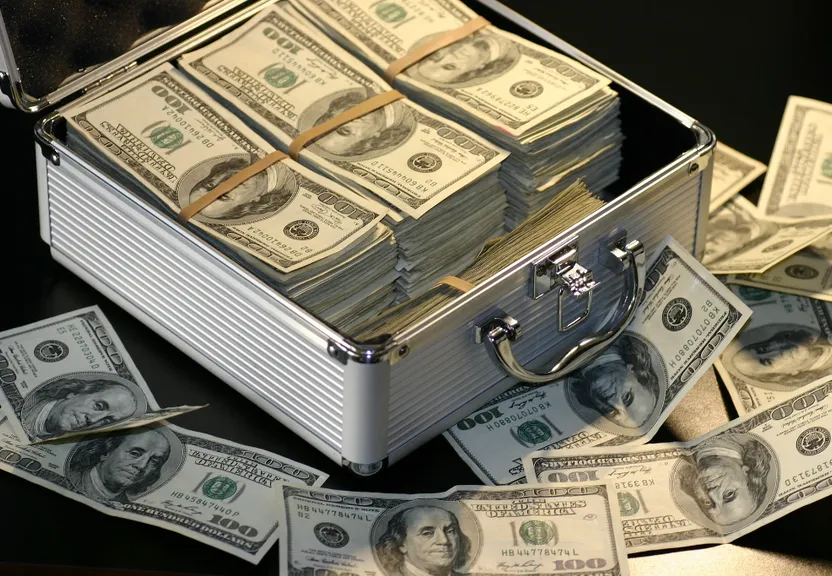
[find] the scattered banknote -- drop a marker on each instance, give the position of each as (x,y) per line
(807,273)
(741,241)
(70,375)
(799,179)
(685,320)
(165,133)
(733,171)
(564,529)
(714,489)
(786,345)
(215,491)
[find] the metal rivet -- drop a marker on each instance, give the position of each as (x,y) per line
(404,351)
(541,270)
(694,168)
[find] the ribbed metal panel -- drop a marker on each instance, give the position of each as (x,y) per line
(214,312)
(444,375)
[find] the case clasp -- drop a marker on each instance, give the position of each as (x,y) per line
(561,270)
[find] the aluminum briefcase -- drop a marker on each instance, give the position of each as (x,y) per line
(367,404)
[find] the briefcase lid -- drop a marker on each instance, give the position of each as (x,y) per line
(52,51)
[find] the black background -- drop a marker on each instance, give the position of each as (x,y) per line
(730,65)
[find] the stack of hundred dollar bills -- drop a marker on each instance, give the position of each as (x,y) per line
(313,239)
(558,118)
(283,76)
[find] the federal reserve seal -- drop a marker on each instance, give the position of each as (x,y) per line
(301,230)
(801,272)
(331,535)
(537,532)
(677,314)
(424,162)
(219,488)
(51,351)
(526,89)
(628,504)
(813,441)
(531,433)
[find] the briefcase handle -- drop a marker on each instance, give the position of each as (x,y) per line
(498,333)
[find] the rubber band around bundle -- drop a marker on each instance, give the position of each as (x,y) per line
(455,282)
(227,186)
(425,50)
(345,117)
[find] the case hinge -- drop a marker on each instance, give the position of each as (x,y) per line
(100,82)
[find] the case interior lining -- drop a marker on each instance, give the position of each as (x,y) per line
(53,40)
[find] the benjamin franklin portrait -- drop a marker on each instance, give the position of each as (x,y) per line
(476,59)
(369,136)
(122,466)
(726,482)
(779,356)
(622,389)
(258,197)
(80,402)
(425,538)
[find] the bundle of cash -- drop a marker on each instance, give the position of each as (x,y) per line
(305,234)
(558,118)
(718,487)
(285,77)
(78,375)
(558,529)
(624,395)
(566,209)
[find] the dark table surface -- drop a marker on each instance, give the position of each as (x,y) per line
(730,65)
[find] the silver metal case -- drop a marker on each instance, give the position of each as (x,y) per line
(366,405)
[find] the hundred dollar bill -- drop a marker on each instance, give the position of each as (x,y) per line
(687,317)
(786,345)
(741,241)
(540,530)
(168,135)
(733,171)
(807,273)
(288,77)
(70,375)
(718,487)
(799,180)
(491,74)
(215,491)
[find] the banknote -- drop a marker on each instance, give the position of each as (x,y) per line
(741,241)
(687,317)
(492,74)
(71,375)
(215,491)
(786,345)
(807,273)
(733,171)
(288,77)
(800,169)
(562,529)
(729,482)
(164,132)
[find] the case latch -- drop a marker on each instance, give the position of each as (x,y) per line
(561,270)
